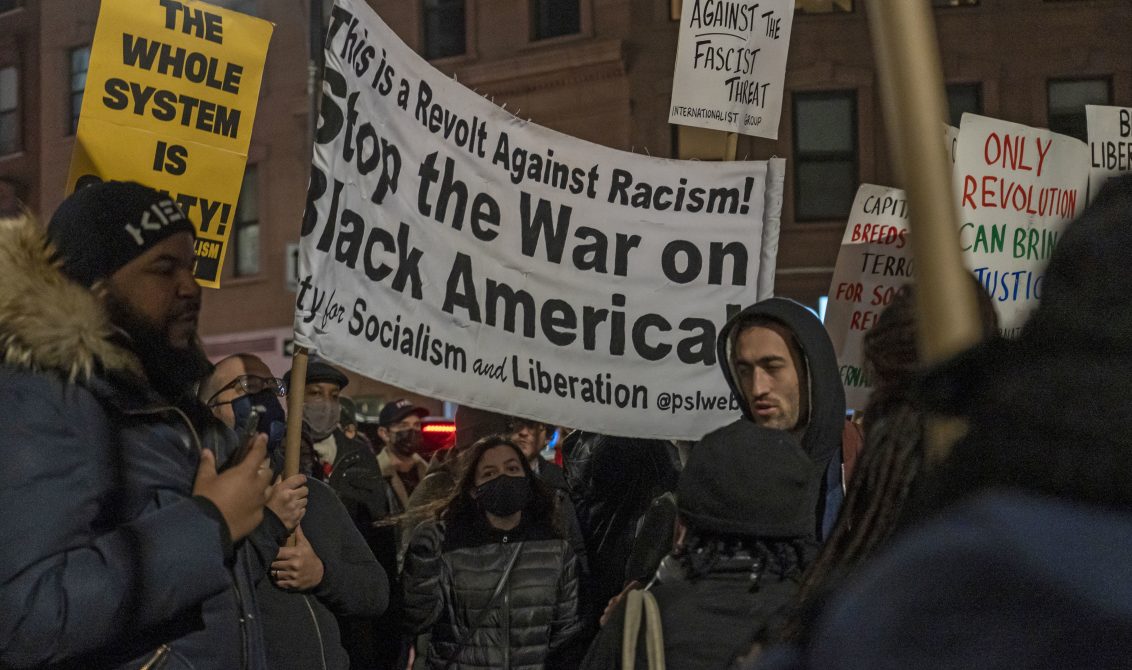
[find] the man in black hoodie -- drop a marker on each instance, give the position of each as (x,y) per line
(778,360)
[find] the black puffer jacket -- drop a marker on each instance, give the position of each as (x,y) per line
(451,571)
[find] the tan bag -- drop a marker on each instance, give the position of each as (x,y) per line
(635,601)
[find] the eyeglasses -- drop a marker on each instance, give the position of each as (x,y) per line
(251,384)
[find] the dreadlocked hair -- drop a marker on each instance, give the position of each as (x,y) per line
(891,464)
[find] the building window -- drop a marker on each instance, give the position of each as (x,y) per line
(245,237)
(1067,100)
(963,98)
(825,154)
(822,6)
(445,31)
(10,140)
(554,18)
(80,62)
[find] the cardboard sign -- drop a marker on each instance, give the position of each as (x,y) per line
(170,102)
(454,250)
(1018,187)
(731,65)
(875,260)
(1110,144)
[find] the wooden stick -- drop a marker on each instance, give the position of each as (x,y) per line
(295,395)
(732,143)
(911,83)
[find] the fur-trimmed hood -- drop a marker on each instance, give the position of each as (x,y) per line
(49,323)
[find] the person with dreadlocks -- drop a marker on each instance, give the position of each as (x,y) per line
(1026,564)
(889,468)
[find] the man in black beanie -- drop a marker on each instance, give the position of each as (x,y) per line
(122,541)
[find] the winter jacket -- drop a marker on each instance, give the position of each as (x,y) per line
(356,479)
(451,571)
(107,559)
(1006,581)
(396,496)
(613,481)
(710,620)
(300,628)
(555,477)
(826,401)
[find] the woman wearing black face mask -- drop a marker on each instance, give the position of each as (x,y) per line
(490,577)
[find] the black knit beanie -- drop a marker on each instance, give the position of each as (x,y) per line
(746,480)
(104,226)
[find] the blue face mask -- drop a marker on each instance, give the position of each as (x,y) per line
(273,420)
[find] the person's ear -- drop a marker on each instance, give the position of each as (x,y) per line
(679,534)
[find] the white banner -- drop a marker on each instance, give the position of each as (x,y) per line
(1110,144)
(731,65)
(459,252)
(1018,188)
(875,260)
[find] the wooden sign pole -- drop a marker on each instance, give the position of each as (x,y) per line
(911,83)
(295,395)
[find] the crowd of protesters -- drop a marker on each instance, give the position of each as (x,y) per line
(147,523)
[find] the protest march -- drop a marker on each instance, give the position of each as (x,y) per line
(723,334)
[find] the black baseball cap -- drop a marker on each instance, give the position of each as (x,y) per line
(397,410)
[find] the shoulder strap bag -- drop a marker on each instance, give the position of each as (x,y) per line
(635,601)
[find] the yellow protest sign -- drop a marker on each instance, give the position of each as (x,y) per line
(170,102)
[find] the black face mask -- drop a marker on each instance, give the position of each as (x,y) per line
(504,495)
(406,442)
(272,420)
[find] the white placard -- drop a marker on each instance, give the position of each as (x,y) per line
(1110,144)
(1018,187)
(875,260)
(731,65)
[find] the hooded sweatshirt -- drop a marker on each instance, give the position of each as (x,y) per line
(824,406)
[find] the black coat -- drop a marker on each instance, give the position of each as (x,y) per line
(708,621)
(300,629)
(825,422)
(105,554)
(372,643)
(613,481)
(451,572)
